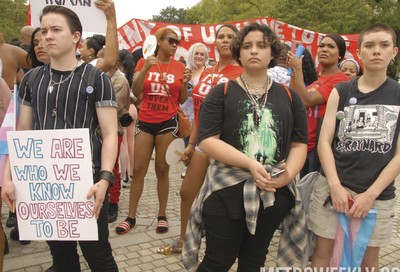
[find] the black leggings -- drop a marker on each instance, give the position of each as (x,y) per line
(228,239)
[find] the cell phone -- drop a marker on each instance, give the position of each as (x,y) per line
(276,172)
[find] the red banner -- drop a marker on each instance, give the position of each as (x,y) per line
(133,34)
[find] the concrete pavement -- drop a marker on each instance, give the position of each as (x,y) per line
(136,250)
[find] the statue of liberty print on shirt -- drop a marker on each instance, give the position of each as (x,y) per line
(259,142)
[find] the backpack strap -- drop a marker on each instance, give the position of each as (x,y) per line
(91,83)
(226,87)
(287,91)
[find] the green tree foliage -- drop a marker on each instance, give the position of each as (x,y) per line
(171,15)
(339,16)
(13,17)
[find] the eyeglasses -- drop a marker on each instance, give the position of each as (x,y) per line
(172,41)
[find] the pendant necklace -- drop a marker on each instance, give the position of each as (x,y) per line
(53,83)
(164,75)
(212,74)
(257,105)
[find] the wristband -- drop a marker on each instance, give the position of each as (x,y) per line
(191,144)
(109,176)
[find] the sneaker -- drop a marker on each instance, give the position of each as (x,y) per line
(12,219)
(126,183)
(112,212)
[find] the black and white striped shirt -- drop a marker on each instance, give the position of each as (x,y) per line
(71,104)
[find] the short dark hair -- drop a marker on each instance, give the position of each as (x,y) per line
(70,16)
(228,26)
(377,28)
(269,36)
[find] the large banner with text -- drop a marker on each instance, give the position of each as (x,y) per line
(134,32)
(52,173)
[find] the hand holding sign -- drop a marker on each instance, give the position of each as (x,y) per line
(149,46)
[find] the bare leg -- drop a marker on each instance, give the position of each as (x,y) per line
(194,179)
(142,159)
(162,170)
(130,138)
(323,252)
(371,259)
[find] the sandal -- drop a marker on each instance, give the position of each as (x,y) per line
(125,226)
(169,249)
(162,225)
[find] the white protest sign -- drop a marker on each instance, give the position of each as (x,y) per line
(92,18)
(52,174)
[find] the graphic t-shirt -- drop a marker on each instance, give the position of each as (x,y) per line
(156,106)
(282,121)
(323,85)
(366,138)
(210,78)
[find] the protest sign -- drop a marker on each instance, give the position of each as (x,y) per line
(92,18)
(52,174)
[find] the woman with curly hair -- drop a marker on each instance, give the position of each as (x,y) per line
(248,126)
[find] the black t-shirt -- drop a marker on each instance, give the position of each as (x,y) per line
(366,138)
(283,120)
(69,104)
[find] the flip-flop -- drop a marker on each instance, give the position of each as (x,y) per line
(162,225)
(124,227)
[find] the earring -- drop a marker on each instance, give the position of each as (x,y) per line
(90,57)
(391,61)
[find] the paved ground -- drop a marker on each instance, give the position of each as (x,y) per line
(136,251)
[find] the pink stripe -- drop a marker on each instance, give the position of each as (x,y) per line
(3,133)
(338,247)
(2,163)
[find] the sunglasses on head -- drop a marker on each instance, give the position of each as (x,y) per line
(172,41)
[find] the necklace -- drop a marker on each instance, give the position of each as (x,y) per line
(257,105)
(53,83)
(212,74)
(164,75)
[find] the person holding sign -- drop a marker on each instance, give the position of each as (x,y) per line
(60,97)
(163,83)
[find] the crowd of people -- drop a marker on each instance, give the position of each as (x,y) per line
(256,130)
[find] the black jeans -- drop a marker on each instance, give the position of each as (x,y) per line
(228,239)
(98,254)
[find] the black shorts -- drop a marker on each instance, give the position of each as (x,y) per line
(170,125)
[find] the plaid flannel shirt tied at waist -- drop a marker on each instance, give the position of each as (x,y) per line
(219,175)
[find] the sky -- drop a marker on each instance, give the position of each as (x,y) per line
(145,9)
